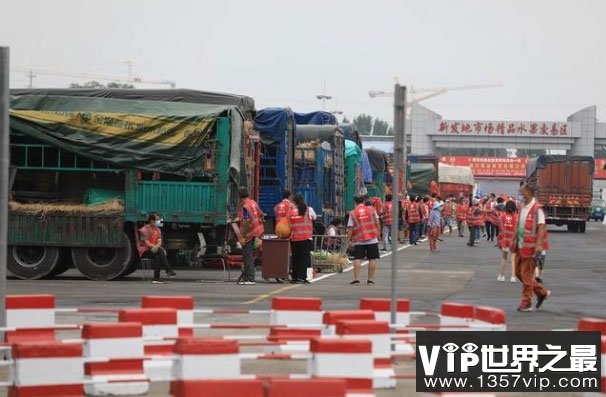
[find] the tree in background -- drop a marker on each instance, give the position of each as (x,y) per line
(379,127)
(346,120)
(364,123)
(96,84)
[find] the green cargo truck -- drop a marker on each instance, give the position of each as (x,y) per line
(176,152)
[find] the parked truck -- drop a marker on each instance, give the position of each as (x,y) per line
(378,164)
(176,152)
(319,172)
(455,181)
(565,188)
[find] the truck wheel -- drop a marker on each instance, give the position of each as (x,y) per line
(103,263)
(569,227)
(582,226)
(64,264)
(32,262)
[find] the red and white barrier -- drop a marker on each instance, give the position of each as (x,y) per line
(307,388)
(596,324)
(121,345)
(160,324)
(291,340)
(343,358)
(47,369)
(457,314)
(184,305)
(378,334)
(217,388)
(382,309)
(200,359)
(33,316)
(331,318)
(295,311)
(489,319)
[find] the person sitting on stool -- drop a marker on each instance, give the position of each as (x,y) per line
(150,247)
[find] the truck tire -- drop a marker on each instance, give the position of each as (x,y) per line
(32,262)
(64,264)
(103,263)
(582,227)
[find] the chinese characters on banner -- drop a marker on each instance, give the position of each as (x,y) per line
(504,128)
(511,167)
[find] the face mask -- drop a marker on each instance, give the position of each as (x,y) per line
(159,222)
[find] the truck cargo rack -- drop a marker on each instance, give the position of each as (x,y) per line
(43,157)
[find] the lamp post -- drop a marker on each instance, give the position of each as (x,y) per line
(4,176)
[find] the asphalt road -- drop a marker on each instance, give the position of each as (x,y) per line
(575,273)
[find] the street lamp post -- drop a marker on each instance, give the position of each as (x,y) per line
(4,176)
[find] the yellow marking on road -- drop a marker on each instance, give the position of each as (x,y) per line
(270,294)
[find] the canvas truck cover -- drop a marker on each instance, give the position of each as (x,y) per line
(319,118)
(272,123)
(454,174)
(352,150)
(322,133)
(377,161)
(350,131)
(540,162)
(143,134)
(420,178)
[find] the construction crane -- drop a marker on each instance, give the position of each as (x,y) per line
(130,77)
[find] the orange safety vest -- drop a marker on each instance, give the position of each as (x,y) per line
(256,223)
(493,216)
(376,202)
(425,210)
(364,223)
(413,213)
(507,229)
(301,226)
(474,216)
(448,209)
(387,213)
(282,208)
(530,233)
(461,212)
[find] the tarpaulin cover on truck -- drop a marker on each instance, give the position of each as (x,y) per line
(350,131)
(377,160)
(143,134)
(322,133)
(272,123)
(455,174)
(319,118)
(366,168)
(420,177)
(541,161)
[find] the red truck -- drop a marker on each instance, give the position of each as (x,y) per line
(565,188)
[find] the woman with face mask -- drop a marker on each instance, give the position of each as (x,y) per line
(150,247)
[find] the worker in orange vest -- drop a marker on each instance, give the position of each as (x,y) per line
(251,227)
(282,209)
(530,243)
(461,216)
(387,220)
(413,216)
(508,221)
(447,212)
(301,239)
(474,221)
(363,231)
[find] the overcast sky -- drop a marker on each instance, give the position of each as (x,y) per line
(549,55)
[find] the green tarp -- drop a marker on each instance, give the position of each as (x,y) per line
(353,177)
(420,177)
(169,137)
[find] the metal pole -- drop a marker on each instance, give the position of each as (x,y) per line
(4,177)
(398,162)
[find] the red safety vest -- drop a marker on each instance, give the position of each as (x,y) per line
(493,216)
(364,223)
(448,209)
(378,205)
(301,227)
(507,229)
(256,223)
(530,233)
(425,210)
(387,213)
(413,213)
(461,212)
(474,216)
(282,208)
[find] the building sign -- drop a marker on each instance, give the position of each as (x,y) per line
(509,167)
(505,167)
(503,128)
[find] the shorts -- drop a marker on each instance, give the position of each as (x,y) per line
(366,251)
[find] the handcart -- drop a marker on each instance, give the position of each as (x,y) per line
(329,254)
